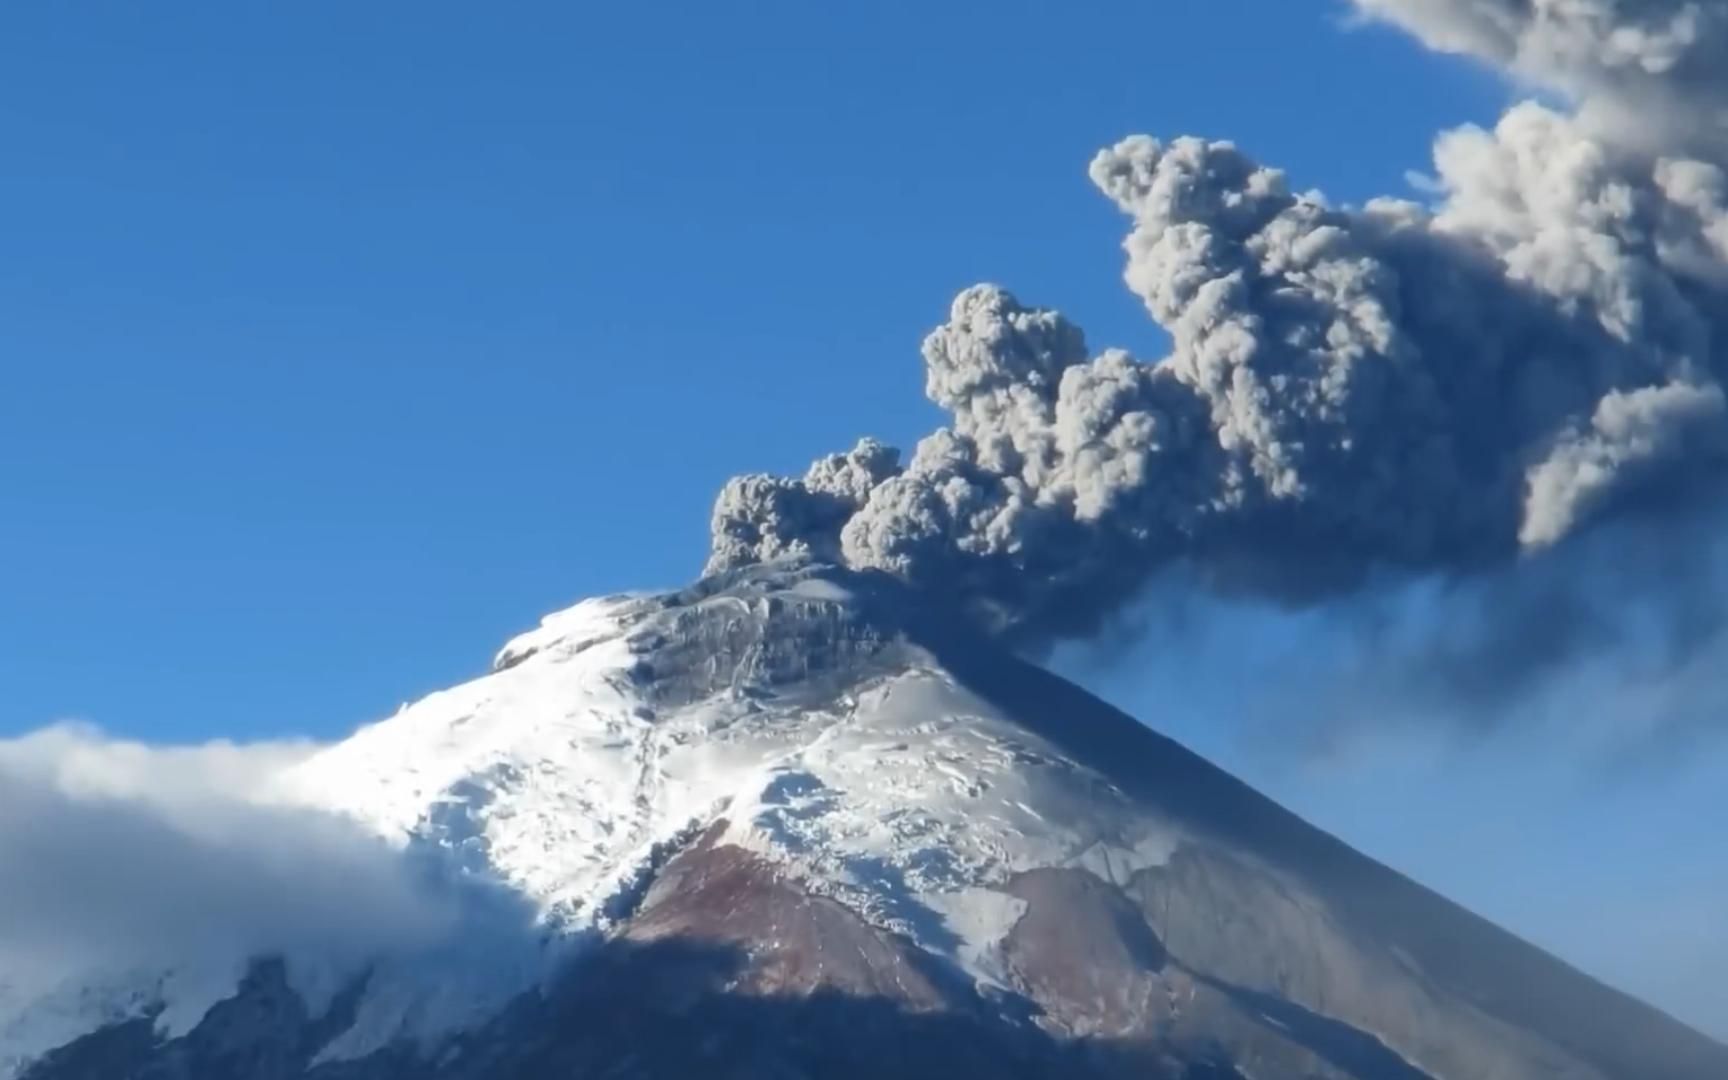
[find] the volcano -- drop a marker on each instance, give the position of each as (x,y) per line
(791,822)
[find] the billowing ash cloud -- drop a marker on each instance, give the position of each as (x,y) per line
(1438,387)
(1640,61)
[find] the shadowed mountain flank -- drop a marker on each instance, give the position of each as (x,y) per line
(1273,887)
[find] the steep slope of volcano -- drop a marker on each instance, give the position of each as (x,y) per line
(789,823)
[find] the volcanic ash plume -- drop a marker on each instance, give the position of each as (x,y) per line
(1421,387)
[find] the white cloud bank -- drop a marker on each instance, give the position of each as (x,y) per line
(164,870)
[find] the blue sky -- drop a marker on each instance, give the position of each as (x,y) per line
(343,341)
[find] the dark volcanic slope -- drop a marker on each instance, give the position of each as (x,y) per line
(1211,906)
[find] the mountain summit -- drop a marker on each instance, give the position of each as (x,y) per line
(789,822)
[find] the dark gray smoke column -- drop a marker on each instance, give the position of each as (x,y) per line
(1440,387)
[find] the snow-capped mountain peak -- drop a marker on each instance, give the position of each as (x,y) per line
(791,713)
(848,803)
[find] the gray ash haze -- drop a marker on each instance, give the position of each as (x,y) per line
(1449,388)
